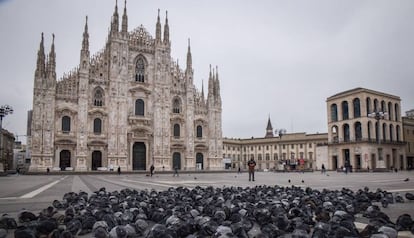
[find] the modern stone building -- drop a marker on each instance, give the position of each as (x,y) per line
(129,105)
(291,151)
(408,128)
(365,130)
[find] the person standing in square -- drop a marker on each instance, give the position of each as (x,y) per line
(152,170)
(251,164)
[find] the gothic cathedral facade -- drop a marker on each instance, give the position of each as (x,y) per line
(128,106)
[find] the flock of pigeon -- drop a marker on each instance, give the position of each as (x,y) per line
(260,211)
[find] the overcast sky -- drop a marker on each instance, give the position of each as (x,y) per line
(277,58)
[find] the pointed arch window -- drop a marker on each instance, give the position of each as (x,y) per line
(139,107)
(176,105)
(140,70)
(98,97)
(199,131)
(176,131)
(97,126)
(65,124)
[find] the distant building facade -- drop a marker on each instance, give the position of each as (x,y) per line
(19,156)
(128,106)
(6,150)
(360,140)
(291,151)
(408,128)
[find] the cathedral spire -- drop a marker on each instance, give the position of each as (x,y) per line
(217,84)
(40,66)
(85,41)
(84,55)
(189,58)
(202,90)
(210,84)
(51,62)
(269,129)
(125,21)
(166,30)
(158,28)
(115,20)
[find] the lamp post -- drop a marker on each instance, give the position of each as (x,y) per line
(378,116)
(4,111)
(281,132)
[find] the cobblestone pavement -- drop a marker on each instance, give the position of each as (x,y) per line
(35,192)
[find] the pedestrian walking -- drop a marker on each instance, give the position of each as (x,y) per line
(119,170)
(152,168)
(239,171)
(251,164)
(47,170)
(175,171)
(323,170)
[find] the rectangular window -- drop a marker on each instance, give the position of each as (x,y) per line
(284,147)
(292,146)
(301,146)
(310,145)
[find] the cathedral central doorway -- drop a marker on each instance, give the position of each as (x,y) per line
(199,161)
(139,156)
(177,160)
(64,160)
(96,160)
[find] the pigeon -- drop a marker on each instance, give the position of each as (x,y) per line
(384,202)
(228,211)
(407,179)
(399,198)
(409,196)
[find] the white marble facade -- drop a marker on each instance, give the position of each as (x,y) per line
(129,105)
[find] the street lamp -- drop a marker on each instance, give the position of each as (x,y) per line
(4,111)
(280,132)
(378,116)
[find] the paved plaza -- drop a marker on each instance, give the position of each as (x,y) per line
(36,192)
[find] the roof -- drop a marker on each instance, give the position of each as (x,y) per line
(361,90)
